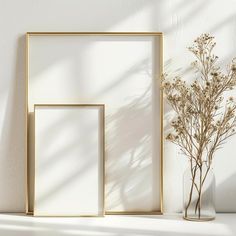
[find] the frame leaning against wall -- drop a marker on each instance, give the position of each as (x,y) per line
(101,164)
(160,67)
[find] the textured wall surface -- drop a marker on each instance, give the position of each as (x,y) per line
(180,20)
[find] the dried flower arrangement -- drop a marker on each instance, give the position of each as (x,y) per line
(204,118)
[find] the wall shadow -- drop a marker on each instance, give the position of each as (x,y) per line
(226,192)
(131,154)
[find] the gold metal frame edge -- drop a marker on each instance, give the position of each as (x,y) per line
(96,33)
(133,213)
(161,125)
(26,126)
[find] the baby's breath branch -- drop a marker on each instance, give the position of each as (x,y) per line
(203,123)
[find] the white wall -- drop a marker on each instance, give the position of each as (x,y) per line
(180,20)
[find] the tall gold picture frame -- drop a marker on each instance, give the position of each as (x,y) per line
(160,59)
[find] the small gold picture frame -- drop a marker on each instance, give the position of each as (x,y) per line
(69,160)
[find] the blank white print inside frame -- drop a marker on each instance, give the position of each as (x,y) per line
(121,71)
(69,160)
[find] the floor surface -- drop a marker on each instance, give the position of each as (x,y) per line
(21,225)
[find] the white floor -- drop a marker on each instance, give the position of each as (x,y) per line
(20,225)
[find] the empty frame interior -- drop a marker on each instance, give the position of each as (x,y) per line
(69,160)
(122,71)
